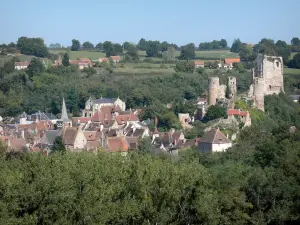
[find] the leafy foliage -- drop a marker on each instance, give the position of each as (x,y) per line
(75,45)
(32,46)
(35,67)
(215,112)
(185,66)
(66,60)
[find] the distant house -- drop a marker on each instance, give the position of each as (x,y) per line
(117,144)
(82,63)
(214,141)
(74,139)
(14,144)
(21,65)
(199,64)
(49,137)
(115,59)
(228,62)
(243,116)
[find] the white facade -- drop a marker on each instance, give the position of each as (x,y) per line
(221,147)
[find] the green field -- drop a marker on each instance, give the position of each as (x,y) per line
(290,71)
(81,54)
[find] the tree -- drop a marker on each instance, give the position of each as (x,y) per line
(145,145)
(126,45)
(58,145)
(236,45)
(99,46)
(168,121)
(132,54)
(108,48)
(185,66)
(164,46)
(35,67)
(246,53)
(87,45)
(142,45)
(214,112)
(118,49)
(223,43)
(188,52)
(32,46)
(153,48)
(75,45)
(295,62)
(170,54)
(66,60)
(295,41)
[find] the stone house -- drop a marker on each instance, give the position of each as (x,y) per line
(115,59)
(13,143)
(242,116)
(74,139)
(21,65)
(214,141)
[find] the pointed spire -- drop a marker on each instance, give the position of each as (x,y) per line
(64,114)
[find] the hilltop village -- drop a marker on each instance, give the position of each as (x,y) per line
(107,125)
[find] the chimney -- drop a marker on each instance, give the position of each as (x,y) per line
(101,127)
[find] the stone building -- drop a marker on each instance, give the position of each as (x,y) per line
(267,78)
(94,105)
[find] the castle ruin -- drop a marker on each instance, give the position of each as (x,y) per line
(217,91)
(267,79)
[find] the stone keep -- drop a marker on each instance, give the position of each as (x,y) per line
(267,78)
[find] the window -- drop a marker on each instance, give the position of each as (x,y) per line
(277,64)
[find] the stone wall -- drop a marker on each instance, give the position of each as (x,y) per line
(213,90)
(232,87)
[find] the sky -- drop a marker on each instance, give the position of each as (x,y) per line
(174,21)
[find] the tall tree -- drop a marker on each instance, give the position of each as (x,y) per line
(108,48)
(295,62)
(132,53)
(126,45)
(58,145)
(75,45)
(118,49)
(188,52)
(236,45)
(66,60)
(32,46)
(142,45)
(223,43)
(35,67)
(153,48)
(170,54)
(164,46)
(295,41)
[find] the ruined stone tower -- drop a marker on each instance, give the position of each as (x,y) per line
(267,78)
(213,90)
(231,83)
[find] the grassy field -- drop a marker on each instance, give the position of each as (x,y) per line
(290,71)
(81,54)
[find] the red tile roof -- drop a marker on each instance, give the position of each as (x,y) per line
(104,59)
(90,135)
(116,57)
(75,120)
(232,60)
(117,144)
(199,62)
(236,112)
(122,119)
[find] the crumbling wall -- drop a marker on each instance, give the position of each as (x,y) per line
(259,95)
(222,91)
(267,78)
(232,87)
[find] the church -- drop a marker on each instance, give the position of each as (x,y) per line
(92,106)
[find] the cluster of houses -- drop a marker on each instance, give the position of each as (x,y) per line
(81,63)
(105,125)
(227,63)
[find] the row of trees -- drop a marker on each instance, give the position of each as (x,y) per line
(222,44)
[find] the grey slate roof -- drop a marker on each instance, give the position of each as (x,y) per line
(104,100)
(52,134)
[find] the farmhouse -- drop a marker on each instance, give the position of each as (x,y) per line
(199,64)
(228,62)
(243,116)
(21,65)
(115,59)
(82,63)
(214,141)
